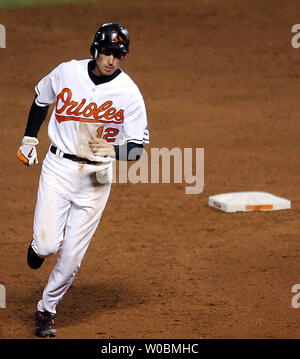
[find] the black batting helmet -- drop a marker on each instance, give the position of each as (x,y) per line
(110,35)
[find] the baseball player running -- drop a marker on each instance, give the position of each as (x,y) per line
(99,116)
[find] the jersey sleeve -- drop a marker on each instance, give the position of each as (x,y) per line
(135,127)
(47,88)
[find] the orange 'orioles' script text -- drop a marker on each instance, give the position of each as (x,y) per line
(105,113)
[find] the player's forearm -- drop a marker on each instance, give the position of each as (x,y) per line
(129,151)
(36,117)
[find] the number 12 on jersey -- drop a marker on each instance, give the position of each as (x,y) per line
(107,134)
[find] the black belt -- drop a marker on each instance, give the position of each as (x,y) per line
(74,158)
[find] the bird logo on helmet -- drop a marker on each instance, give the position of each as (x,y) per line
(110,35)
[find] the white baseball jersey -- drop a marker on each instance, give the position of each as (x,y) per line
(114,111)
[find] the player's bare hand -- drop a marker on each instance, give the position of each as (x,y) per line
(27,151)
(101,147)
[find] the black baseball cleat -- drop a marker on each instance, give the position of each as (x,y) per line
(45,324)
(33,260)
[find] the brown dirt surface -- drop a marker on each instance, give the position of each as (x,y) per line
(222,76)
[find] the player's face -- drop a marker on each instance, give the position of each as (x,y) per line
(108,61)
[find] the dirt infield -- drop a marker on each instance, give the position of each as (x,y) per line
(163,264)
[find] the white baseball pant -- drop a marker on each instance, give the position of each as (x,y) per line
(69,206)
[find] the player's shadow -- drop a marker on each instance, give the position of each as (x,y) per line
(83,301)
